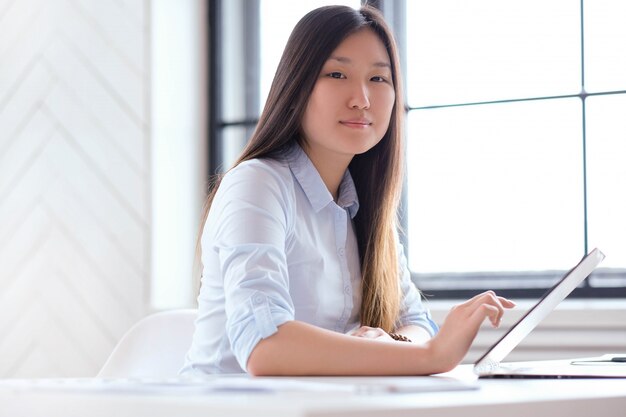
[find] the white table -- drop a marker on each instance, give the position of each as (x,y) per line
(508,398)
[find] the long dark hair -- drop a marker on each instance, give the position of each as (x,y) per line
(377,173)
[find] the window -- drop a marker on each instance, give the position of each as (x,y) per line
(515,139)
(516,143)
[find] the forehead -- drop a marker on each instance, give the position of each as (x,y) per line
(363,46)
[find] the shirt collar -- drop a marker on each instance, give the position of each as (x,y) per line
(314,188)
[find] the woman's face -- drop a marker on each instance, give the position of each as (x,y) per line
(349,109)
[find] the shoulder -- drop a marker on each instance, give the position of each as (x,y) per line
(262,183)
(258,173)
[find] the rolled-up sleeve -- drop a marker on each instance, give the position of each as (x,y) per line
(251,228)
(412,309)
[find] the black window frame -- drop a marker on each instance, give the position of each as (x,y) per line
(394,11)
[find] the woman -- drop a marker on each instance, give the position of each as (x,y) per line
(303,273)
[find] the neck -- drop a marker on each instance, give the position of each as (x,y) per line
(330,167)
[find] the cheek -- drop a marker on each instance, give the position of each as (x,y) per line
(385,109)
(315,113)
(389,102)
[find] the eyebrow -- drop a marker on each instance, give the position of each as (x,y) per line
(345,60)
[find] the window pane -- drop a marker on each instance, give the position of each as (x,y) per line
(233,62)
(234,138)
(278,18)
(466,51)
(495,187)
(605,45)
(606,163)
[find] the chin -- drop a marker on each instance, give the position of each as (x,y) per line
(365,146)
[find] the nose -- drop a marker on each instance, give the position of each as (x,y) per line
(359,97)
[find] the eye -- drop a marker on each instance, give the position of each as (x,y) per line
(379,79)
(335,74)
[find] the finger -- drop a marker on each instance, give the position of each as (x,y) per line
(480,299)
(477,297)
(488,297)
(506,303)
(503,303)
(372,334)
(486,311)
(369,332)
(360,331)
(376,332)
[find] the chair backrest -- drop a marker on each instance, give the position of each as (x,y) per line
(155,347)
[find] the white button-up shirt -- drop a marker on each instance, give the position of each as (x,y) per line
(276,247)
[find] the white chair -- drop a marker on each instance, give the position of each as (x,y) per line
(155,347)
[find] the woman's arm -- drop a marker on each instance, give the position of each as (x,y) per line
(301,349)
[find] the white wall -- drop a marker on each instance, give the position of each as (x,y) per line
(178,97)
(79,158)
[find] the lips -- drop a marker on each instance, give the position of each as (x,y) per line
(356,123)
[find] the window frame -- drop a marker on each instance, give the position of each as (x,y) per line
(586,290)
(394,11)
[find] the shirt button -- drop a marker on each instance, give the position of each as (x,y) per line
(258,299)
(346,289)
(341,252)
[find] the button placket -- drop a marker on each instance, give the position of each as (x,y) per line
(341,230)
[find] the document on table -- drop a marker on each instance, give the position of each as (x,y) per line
(244,384)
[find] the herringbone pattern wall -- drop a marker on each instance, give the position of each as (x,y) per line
(74,182)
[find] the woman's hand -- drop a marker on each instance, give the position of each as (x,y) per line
(372,333)
(461,325)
